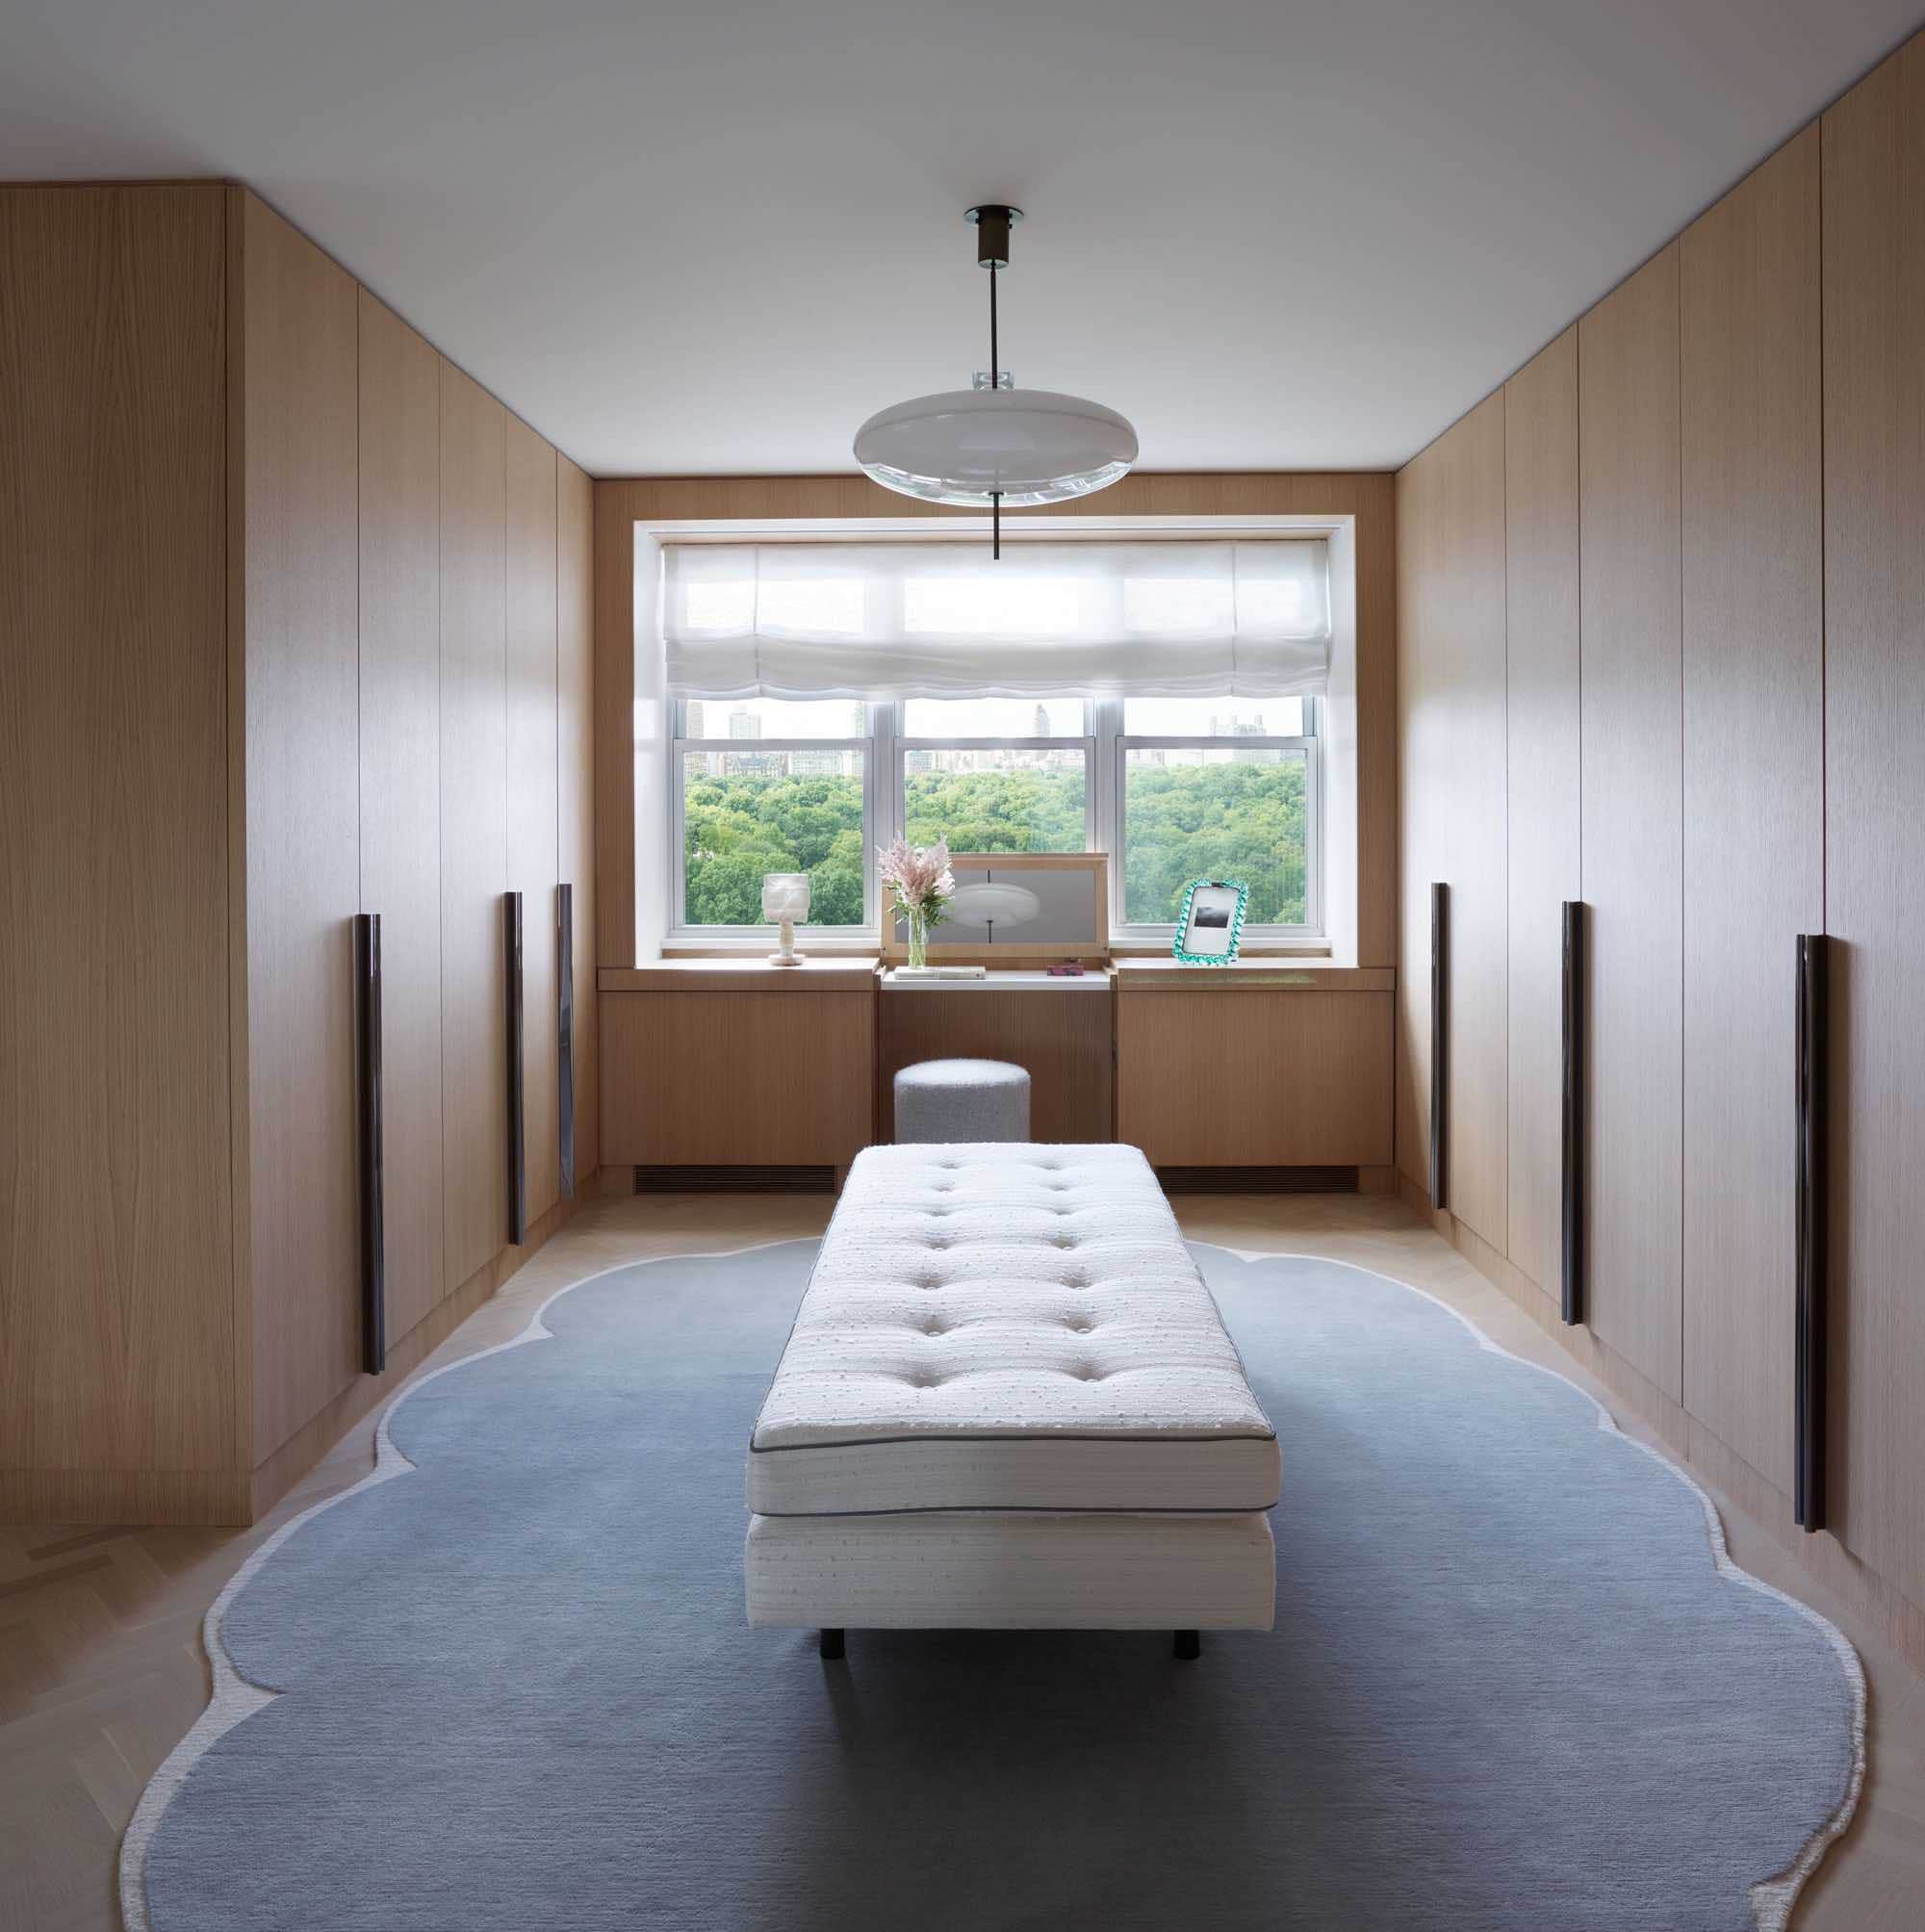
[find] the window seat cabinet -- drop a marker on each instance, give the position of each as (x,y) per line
(1264,1064)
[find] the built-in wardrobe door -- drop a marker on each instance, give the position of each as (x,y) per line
(533,808)
(1421,754)
(1754,780)
(473,827)
(117,1343)
(294,347)
(1874,311)
(1632,816)
(400,787)
(574,649)
(1541,749)
(1452,651)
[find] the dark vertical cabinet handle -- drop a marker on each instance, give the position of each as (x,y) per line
(1440,1037)
(564,1031)
(367,1113)
(1573,1304)
(1814,1055)
(518,1167)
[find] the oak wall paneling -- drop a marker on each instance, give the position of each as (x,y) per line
(1750,584)
(575,763)
(1633,813)
(1874,392)
(534,828)
(119,1356)
(620,503)
(253,666)
(473,823)
(1229,1075)
(294,368)
(400,787)
(1065,1039)
(1451,704)
(1754,852)
(1541,570)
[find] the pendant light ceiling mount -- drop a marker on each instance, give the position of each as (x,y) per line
(993,222)
(996,445)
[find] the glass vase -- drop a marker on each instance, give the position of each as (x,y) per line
(918,937)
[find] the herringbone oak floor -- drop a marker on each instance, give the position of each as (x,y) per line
(101,1667)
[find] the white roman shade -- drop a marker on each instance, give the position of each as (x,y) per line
(1171,620)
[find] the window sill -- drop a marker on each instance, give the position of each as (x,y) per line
(687,943)
(743,972)
(1250,973)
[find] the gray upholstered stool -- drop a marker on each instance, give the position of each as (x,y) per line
(961,1100)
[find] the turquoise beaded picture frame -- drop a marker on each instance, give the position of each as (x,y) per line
(1210,928)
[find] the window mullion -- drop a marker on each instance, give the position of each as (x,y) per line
(887,824)
(1106,723)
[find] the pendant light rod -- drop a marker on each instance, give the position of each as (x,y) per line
(995,383)
(993,222)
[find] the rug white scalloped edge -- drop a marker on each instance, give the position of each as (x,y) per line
(235,1699)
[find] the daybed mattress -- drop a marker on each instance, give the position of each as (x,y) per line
(1008,1326)
(985,1570)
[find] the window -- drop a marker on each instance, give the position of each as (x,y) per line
(832,696)
(995,774)
(1173,789)
(765,785)
(1224,789)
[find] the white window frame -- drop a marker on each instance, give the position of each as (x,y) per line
(1120,744)
(1330,783)
(677,855)
(901,745)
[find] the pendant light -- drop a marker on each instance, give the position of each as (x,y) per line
(995,444)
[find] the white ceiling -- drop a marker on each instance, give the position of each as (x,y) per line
(711,238)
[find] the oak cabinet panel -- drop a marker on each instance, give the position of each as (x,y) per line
(533,797)
(1234,1076)
(1874,389)
(117,1211)
(400,787)
(474,824)
(1451,707)
(1633,806)
(1754,694)
(1541,576)
(294,362)
(735,1078)
(574,724)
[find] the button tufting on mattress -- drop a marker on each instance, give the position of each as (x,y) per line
(985,1249)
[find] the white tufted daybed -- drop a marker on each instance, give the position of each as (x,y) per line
(1008,1402)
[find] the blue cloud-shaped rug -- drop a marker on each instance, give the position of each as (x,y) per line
(505,1685)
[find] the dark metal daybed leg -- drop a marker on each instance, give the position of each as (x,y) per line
(830,1644)
(1189,1646)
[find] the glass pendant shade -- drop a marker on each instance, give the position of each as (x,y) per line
(972,446)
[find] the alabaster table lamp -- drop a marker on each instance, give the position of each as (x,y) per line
(785,902)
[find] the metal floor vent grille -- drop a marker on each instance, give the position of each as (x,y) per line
(734,1180)
(1258,1180)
